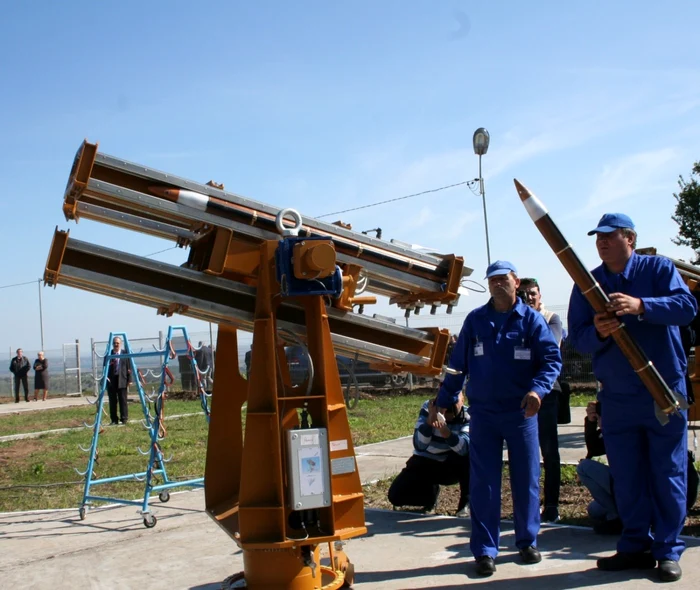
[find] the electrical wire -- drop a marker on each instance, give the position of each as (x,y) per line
(37,280)
(432,190)
(34,282)
(159,252)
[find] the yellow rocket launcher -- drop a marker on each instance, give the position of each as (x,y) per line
(290,485)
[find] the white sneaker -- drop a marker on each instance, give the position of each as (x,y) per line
(463,513)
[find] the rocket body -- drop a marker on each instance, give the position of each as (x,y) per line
(665,398)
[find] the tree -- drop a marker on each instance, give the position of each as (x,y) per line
(688,212)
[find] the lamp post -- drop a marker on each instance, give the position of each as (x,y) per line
(41,317)
(481,146)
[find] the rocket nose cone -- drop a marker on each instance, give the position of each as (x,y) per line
(524,192)
(163,192)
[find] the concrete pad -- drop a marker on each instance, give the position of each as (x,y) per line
(32,406)
(112,549)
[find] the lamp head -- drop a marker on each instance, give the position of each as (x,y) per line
(481,141)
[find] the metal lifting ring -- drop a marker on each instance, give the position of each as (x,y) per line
(288,231)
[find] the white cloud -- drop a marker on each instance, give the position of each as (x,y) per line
(637,174)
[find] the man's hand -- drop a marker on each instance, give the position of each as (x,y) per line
(604,324)
(531,403)
(432,412)
(436,416)
(445,431)
(591,414)
(621,304)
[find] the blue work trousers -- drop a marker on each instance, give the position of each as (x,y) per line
(648,463)
(487,432)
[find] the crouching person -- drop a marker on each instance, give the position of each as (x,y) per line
(440,458)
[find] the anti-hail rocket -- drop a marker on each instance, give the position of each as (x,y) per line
(664,397)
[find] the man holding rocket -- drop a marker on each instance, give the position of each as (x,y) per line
(648,460)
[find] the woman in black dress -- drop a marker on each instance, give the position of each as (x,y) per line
(41,376)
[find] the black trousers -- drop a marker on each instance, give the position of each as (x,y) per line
(419,482)
(25,385)
(549,445)
(117,395)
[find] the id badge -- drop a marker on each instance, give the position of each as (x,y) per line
(479,349)
(522,353)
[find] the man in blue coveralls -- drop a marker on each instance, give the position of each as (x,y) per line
(512,360)
(648,461)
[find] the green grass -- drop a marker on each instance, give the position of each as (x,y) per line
(384,418)
(30,469)
(580,399)
(48,461)
(36,421)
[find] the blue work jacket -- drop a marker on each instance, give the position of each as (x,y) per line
(498,377)
(667,305)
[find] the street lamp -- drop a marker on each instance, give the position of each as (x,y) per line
(481,146)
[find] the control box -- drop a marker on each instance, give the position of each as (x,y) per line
(308,468)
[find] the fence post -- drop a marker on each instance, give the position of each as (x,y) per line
(80,374)
(92,362)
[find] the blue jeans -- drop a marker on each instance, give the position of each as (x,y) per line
(596,477)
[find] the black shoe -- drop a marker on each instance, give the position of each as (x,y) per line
(485,565)
(550,514)
(627,561)
(669,570)
(430,508)
(608,527)
(124,422)
(530,555)
(463,506)
(114,423)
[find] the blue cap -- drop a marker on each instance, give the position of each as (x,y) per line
(610,222)
(500,267)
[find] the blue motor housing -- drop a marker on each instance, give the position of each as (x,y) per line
(291,286)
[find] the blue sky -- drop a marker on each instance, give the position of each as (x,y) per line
(324,106)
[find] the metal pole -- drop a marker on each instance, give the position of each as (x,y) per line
(211,344)
(77,358)
(94,366)
(41,318)
(410,375)
(486,221)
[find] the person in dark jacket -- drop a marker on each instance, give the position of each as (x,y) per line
(548,415)
(19,367)
(203,355)
(41,376)
(119,378)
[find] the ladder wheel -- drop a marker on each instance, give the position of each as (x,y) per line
(149,521)
(164,496)
(82,512)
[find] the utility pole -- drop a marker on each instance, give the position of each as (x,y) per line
(41,317)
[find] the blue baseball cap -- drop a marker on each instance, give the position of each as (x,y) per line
(500,267)
(610,222)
